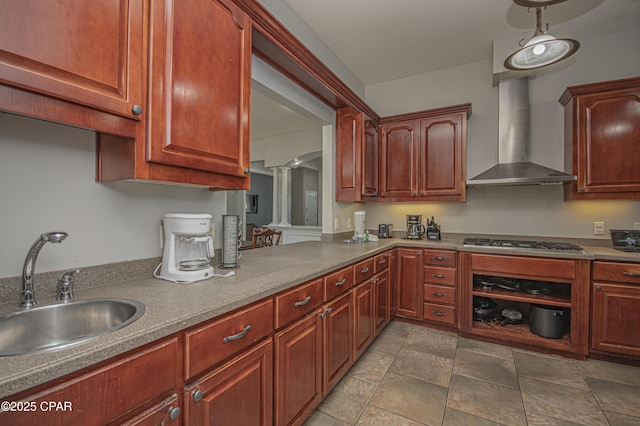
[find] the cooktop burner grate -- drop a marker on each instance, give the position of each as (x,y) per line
(523,244)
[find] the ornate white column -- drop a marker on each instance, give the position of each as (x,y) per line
(275,217)
(284,196)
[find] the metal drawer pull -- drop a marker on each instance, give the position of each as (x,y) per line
(174,412)
(237,336)
(631,274)
(438,314)
(438,275)
(197,395)
(364,271)
(440,258)
(341,282)
(382,261)
(598,287)
(302,302)
(439,294)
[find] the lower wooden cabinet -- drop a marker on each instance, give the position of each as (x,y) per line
(338,340)
(298,370)
(615,312)
(364,316)
(382,302)
(409,283)
(125,388)
(237,393)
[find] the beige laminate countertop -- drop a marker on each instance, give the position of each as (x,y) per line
(172,307)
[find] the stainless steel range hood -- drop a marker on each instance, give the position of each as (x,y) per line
(514,167)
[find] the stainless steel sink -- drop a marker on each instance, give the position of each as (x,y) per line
(62,325)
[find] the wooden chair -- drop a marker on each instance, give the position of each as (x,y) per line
(264,237)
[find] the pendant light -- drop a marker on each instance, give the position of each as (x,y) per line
(542,49)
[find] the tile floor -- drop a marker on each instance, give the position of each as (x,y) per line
(413,375)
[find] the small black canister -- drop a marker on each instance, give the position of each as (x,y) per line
(547,321)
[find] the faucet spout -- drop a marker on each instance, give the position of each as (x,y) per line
(27,295)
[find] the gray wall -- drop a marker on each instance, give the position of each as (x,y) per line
(262,186)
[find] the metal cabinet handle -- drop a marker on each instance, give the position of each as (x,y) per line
(197,395)
(247,171)
(438,314)
(322,314)
(341,282)
(136,109)
(439,294)
(631,274)
(364,271)
(598,287)
(174,412)
(302,302)
(382,261)
(237,336)
(329,310)
(438,276)
(439,258)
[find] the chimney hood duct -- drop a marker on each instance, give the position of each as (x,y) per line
(514,167)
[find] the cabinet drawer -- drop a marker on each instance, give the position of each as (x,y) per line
(297,302)
(446,276)
(518,266)
(217,341)
(338,282)
(381,262)
(364,270)
(440,257)
(439,313)
(440,294)
(615,271)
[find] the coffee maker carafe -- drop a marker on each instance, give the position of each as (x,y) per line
(415,228)
(188,247)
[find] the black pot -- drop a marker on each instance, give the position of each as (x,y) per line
(547,321)
(483,308)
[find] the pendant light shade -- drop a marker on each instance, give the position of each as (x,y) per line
(541,50)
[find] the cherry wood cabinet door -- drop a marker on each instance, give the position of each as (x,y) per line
(298,370)
(409,285)
(370,159)
(364,317)
(382,298)
(338,340)
(200,86)
(86,52)
(615,318)
(399,157)
(349,134)
(238,393)
(442,170)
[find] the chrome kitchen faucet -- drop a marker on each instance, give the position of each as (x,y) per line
(27,295)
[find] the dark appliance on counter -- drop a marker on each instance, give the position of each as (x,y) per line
(415,228)
(626,240)
(522,244)
(433,229)
(547,321)
(385,230)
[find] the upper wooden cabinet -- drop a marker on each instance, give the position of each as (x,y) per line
(602,139)
(356,156)
(423,155)
(85,52)
(196,129)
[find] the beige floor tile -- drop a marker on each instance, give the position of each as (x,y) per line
(374,416)
(487,368)
(617,419)
(617,397)
(552,369)
(537,419)
(388,343)
(371,367)
(485,348)
(561,402)
(348,399)
(487,400)
(400,328)
(411,398)
(422,366)
(458,418)
(435,342)
(318,418)
(609,371)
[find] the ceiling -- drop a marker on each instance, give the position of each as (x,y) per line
(271,118)
(381,40)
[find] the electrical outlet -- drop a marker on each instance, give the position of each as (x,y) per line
(336,223)
(598,228)
(636,226)
(349,223)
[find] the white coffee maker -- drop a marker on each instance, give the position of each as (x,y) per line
(188,248)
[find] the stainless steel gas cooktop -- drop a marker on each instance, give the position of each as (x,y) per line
(523,244)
